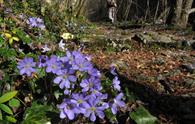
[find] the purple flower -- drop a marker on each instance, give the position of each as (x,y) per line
(78,61)
(88,58)
(53,65)
(67,109)
(78,99)
(95,93)
(39,20)
(61,45)
(113,70)
(94,108)
(35,22)
(32,22)
(45,48)
(94,72)
(41,26)
(42,61)
(81,63)
(64,78)
(90,84)
(117,103)
(116,83)
(26,66)
(68,58)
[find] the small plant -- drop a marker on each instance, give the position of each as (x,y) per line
(6,112)
(84,93)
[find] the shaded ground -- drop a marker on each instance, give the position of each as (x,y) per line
(162,77)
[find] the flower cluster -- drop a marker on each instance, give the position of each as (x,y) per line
(116,85)
(81,83)
(35,22)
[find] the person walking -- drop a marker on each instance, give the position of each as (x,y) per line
(112,6)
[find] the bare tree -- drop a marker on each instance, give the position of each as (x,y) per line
(182,12)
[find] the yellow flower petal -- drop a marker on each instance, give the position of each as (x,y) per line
(10,41)
(7,35)
(16,38)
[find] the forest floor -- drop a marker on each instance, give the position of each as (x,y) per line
(155,64)
(161,76)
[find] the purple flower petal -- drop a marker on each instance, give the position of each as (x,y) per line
(121,103)
(57,80)
(114,109)
(119,96)
(72,78)
(66,92)
(62,115)
(116,83)
(93,117)
(70,114)
(100,114)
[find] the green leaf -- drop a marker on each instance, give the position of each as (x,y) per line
(7,53)
(36,114)
(142,116)
(14,103)
(1,41)
(112,117)
(23,36)
(11,119)
(1,117)
(7,96)
(6,109)
(41,72)
(130,96)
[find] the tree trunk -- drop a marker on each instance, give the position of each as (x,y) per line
(164,10)
(182,12)
(178,10)
(185,14)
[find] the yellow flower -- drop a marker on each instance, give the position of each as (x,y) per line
(67,36)
(11,38)
(1,1)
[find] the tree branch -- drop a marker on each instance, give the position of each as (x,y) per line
(191,11)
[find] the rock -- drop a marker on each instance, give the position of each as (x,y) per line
(158,61)
(120,64)
(192,43)
(142,38)
(167,86)
(189,82)
(185,43)
(153,37)
(189,67)
(163,40)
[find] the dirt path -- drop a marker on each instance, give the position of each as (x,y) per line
(163,78)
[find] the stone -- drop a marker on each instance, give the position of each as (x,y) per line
(189,67)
